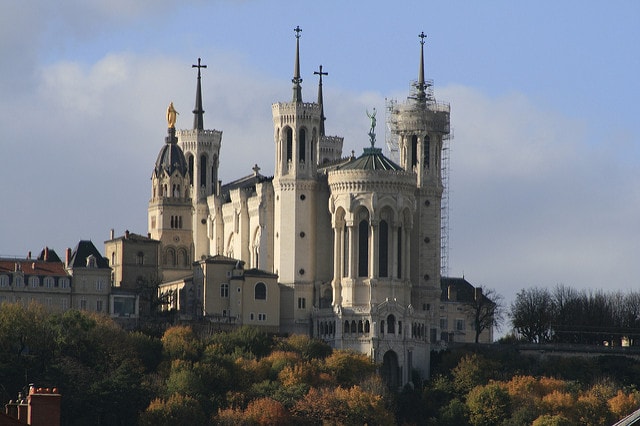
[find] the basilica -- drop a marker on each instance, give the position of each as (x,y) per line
(344,248)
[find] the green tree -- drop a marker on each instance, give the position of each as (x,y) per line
(177,410)
(488,405)
(180,342)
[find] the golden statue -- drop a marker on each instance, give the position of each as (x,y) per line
(171,116)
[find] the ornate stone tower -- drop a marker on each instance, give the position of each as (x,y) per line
(420,124)
(170,215)
(296,133)
(202,152)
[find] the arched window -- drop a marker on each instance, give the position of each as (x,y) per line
(346,327)
(4,280)
(414,150)
(190,158)
(363,248)
(170,257)
(302,146)
(34,282)
(183,259)
(383,249)
(399,251)
(360,327)
(345,252)
(203,170)
(391,324)
(367,326)
(427,148)
(260,291)
(289,140)
(353,326)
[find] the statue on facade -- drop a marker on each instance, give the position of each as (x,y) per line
(171,116)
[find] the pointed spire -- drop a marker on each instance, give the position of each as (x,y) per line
(421,85)
(320,101)
(198,112)
(297,88)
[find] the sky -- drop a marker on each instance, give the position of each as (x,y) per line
(544,176)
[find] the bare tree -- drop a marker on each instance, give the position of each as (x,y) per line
(486,309)
(532,314)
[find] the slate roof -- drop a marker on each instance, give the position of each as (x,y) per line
(49,255)
(33,267)
(465,292)
(371,159)
(248,183)
(84,249)
(170,159)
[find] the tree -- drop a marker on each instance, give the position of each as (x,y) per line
(532,314)
(486,309)
(488,405)
(178,410)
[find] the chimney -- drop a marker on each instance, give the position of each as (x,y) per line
(111,234)
(148,234)
(67,257)
(126,234)
(43,407)
(452,294)
(46,254)
(29,255)
(478,293)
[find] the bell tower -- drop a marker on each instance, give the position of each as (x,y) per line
(202,152)
(296,134)
(170,215)
(421,124)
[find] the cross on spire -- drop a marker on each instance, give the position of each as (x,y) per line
(198,112)
(320,101)
(297,89)
(422,36)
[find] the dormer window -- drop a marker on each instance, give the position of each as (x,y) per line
(91,262)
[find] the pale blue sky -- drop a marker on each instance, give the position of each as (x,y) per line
(545,181)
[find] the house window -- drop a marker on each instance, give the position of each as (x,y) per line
(251,316)
(443,324)
(302,303)
(47,301)
(64,282)
(459,325)
(64,304)
(18,281)
(83,304)
(140,258)
(4,280)
(262,317)
(260,291)
(48,282)
(100,284)
(98,305)
(91,261)
(224,290)
(34,282)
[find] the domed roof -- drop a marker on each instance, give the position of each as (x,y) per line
(171,157)
(371,159)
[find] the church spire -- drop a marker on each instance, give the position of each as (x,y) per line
(297,88)
(421,85)
(320,101)
(198,112)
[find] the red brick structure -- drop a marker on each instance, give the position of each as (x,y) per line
(40,408)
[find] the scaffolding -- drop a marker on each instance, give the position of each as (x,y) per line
(390,138)
(444,206)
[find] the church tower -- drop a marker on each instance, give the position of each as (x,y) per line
(202,152)
(170,215)
(296,134)
(421,124)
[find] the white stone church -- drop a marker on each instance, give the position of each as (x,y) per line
(353,242)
